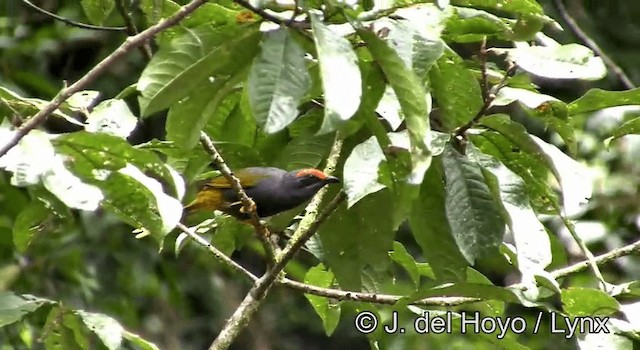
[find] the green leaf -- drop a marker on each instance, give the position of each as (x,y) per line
(305,152)
(549,109)
(476,223)
(471,25)
(105,327)
(581,302)
(526,164)
(97,10)
(360,174)
(175,70)
(456,90)
(629,127)
(139,341)
(531,239)
(411,96)
(278,80)
(596,99)
(341,80)
(576,181)
(431,230)
(520,7)
(401,256)
(570,61)
(13,307)
(64,331)
(112,117)
(27,225)
(328,310)
(123,173)
(417,51)
(215,15)
(370,221)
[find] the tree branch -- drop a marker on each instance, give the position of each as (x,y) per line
(217,253)
(307,227)
(248,205)
(73,23)
(488,94)
(129,44)
(145,48)
(272,18)
(577,31)
(598,260)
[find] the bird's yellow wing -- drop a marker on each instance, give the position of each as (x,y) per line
(247,179)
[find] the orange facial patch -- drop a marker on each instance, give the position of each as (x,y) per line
(315,172)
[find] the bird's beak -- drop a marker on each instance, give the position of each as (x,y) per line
(332,180)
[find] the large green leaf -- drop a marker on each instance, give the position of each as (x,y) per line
(456,90)
(369,223)
(105,327)
(97,10)
(470,25)
(13,307)
(411,96)
(574,177)
(361,170)
(417,51)
(581,302)
(476,223)
(189,61)
(531,239)
(29,223)
(524,163)
(123,172)
(212,14)
(277,82)
(520,7)
(431,230)
(186,119)
(328,310)
(596,99)
(549,109)
(341,80)
(570,61)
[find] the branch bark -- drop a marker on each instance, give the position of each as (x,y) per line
(129,44)
(256,295)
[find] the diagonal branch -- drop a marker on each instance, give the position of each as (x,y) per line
(248,205)
(307,228)
(575,28)
(390,299)
(145,49)
(129,44)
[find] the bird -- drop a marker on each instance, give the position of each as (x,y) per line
(273,190)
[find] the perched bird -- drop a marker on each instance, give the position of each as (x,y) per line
(273,190)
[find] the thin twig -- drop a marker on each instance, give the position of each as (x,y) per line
(272,18)
(583,246)
(255,297)
(145,48)
(217,253)
(577,31)
(390,299)
(489,95)
(248,205)
(384,299)
(129,44)
(73,23)
(599,260)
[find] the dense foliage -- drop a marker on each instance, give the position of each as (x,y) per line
(483,165)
